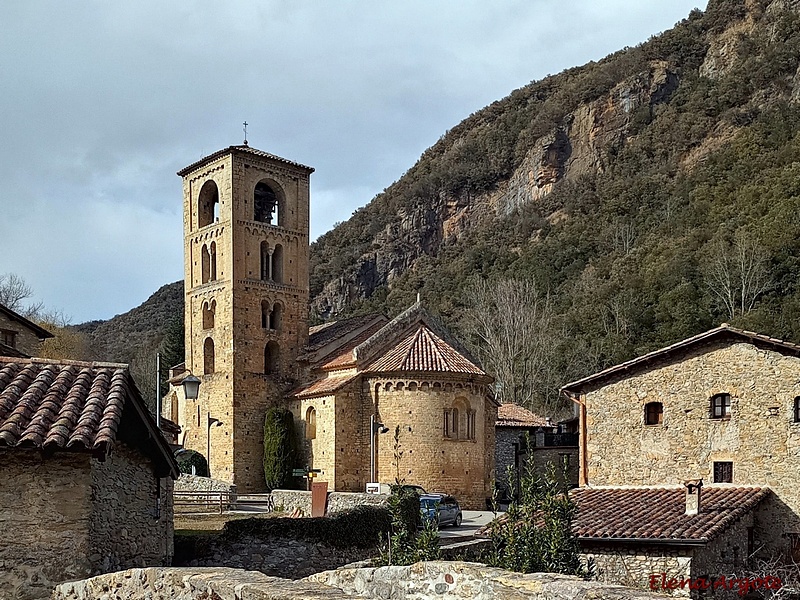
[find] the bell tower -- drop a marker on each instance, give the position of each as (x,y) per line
(246,268)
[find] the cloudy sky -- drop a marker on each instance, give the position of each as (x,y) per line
(102,102)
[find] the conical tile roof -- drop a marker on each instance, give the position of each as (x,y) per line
(420,349)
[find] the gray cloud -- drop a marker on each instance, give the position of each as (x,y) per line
(104,101)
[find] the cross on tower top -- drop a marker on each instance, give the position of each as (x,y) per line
(245,132)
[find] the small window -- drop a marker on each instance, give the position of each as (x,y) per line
(720,406)
(208,356)
(653,413)
(796,410)
(451,423)
(311,423)
(9,338)
(723,472)
(471,424)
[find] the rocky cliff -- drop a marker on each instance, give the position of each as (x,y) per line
(569,128)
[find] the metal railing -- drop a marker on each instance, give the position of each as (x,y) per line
(203,501)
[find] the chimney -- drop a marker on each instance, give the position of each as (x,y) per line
(693,487)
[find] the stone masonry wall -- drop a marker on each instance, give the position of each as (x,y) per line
(195,483)
(25,340)
(446,580)
(239,391)
(289,500)
(276,556)
(464,466)
(632,566)
(131,519)
(760,437)
(45,521)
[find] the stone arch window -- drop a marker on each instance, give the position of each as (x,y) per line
(311,423)
(265,314)
(213,262)
(796,410)
(720,406)
(276,316)
(653,413)
(205,265)
(268,203)
(208,356)
(277,264)
(271,358)
(266,262)
(471,419)
(209,310)
(208,204)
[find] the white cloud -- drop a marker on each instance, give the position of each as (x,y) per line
(104,101)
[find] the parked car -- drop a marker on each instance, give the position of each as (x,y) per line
(417,489)
(442,509)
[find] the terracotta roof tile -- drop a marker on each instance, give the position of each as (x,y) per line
(659,513)
(422,350)
(321,335)
(322,387)
(344,357)
(70,405)
(513,415)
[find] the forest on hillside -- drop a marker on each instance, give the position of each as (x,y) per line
(691,221)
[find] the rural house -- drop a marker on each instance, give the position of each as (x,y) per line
(720,410)
(85,476)
(523,437)
(19,336)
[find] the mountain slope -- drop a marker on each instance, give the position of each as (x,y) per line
(629,189)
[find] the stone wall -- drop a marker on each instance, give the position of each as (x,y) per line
(45,516)
(760,437)
(131,519)
(275,556)
(25,340)
(564,459)
(289,500)
(632,566)
(195,483)
(462,466)
(446,580)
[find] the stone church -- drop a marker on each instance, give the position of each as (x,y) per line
(246,265)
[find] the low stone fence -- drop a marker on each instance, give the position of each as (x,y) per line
(289,500)
(195,483)
(446,580)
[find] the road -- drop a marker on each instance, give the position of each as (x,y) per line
(473,520)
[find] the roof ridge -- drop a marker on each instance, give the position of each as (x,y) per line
(63,362)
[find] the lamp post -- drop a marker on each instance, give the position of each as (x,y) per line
(215,423)
(374,427)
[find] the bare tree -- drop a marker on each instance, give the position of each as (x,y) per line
(512,325)
(738,274)
(13,290)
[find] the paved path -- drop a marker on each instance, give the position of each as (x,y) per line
(473,520)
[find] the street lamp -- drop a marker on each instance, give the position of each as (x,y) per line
(374,427)
(215,423)
(191,387)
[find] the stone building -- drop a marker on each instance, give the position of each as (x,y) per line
(19,336)
(523,438)
(246,220)
(407,373)
(670,533)
(85,476)
(722,407)
(246,283)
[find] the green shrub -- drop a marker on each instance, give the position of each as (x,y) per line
(358,528)
(535,535)
(187,459)
(280,447)
(406,545)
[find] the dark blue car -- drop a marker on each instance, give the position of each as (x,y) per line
(441,509)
